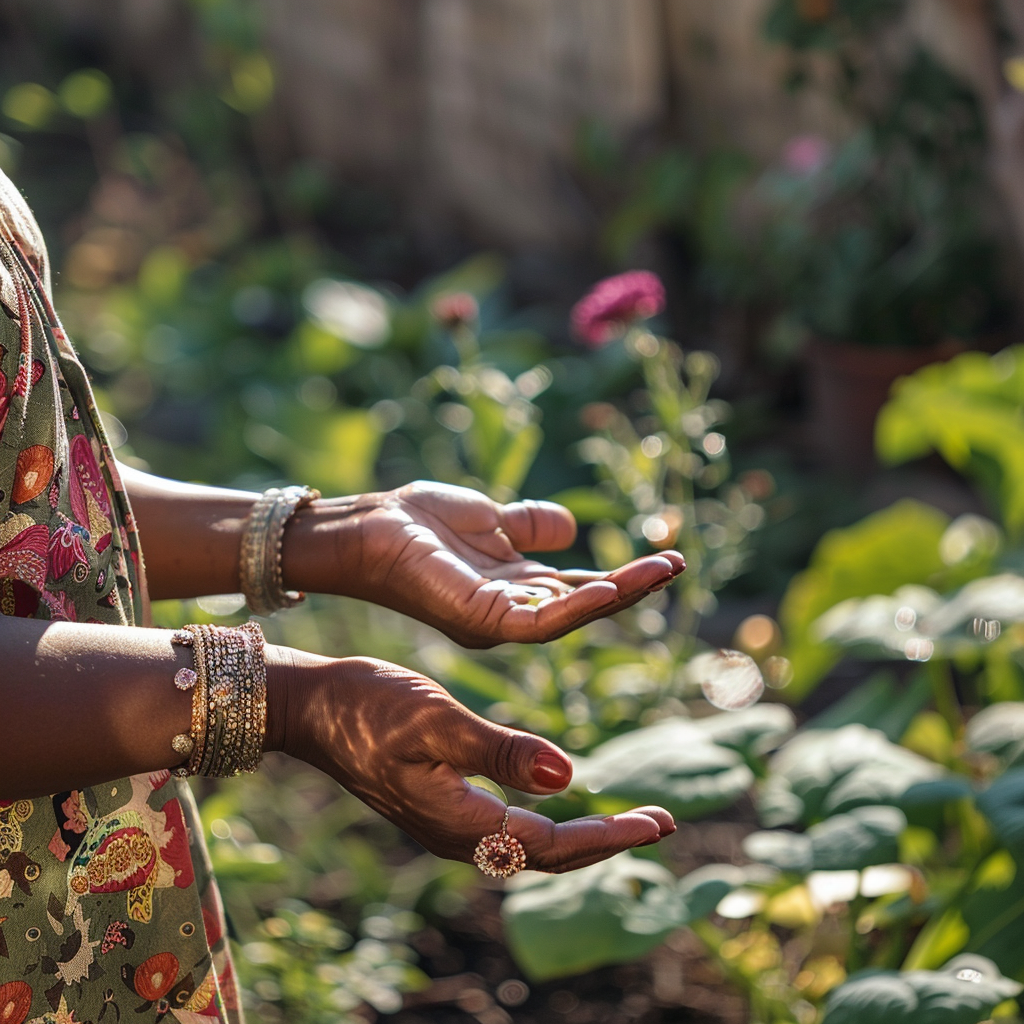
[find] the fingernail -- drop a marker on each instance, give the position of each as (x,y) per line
(550,770)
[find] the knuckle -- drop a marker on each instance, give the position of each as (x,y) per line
(505,759)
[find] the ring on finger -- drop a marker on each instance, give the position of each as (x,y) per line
(499,854)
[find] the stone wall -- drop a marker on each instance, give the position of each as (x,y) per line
(469,109)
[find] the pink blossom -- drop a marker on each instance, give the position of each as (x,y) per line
(615,303)
(455,309)
(806,154)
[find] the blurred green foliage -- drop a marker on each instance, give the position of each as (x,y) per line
(234,338)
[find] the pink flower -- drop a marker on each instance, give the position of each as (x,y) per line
(615,303)
(806,154)
(455,309)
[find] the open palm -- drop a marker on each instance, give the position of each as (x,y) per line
(450,557)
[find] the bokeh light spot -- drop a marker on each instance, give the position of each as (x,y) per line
(729,680)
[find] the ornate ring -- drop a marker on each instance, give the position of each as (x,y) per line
(500,855)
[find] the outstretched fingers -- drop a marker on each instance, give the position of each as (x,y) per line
(525,622)
(576,844)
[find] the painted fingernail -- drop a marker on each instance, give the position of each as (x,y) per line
(550,770)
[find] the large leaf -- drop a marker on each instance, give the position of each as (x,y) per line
(915,614)
(998,730)
(965,991)
(674,763)
(565,924)
(878,703)
(846,842)
(887,550)
(591,505)
(346,447)
(822,772)
(610,912)
(753,731)
(993,913)
(964,408)
(1003,804)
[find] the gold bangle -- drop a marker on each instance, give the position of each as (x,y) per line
(260,568)
(229,700)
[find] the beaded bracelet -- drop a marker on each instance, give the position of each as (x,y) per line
(260,569)
(229,700)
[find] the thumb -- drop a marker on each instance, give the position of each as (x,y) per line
(510,757)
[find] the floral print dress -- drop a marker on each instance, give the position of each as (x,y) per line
(108,909)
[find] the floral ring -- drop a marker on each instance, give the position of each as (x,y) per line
(499,854)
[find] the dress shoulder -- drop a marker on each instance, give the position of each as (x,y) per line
(18,223)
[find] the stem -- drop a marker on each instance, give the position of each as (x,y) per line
(464,339)
(914,958)
(764,1009)
(944,694)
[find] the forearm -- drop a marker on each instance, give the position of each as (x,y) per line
(191,538)
(190,534)
(84,704)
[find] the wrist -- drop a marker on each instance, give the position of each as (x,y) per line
(322,547)
(294,679)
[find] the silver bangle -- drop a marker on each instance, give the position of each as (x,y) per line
(260,568)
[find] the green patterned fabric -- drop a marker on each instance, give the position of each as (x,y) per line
(108,908)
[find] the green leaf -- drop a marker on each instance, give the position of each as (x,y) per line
(787,851)
(878,703)
(606,913)
(558,925)
(489,786)
(610,546)
(752,731)
(248,862)
(673,763)
(589,505)
(516,458)
(314,349)
(993,913)
(865,836)
(706,887)
(822,772)
(963,408)
(343,453)
(846,842)
(965,991)
(998,730)
(887,550)
(1003,804)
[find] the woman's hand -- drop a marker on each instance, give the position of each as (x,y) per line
(450,557)
(404,746)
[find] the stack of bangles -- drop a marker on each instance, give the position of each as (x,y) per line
(229,677)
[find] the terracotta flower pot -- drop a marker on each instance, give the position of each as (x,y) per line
(847,385)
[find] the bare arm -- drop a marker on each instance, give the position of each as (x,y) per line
(190,534)
(448,556)
(83,704)
(87,703)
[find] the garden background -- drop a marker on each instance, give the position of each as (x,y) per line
(339,243)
